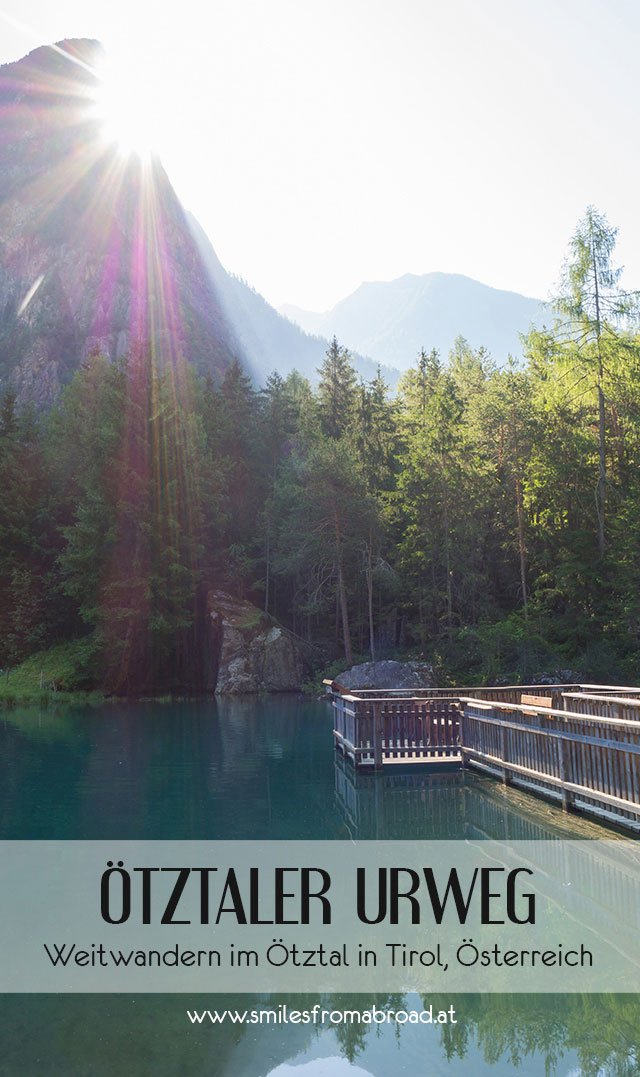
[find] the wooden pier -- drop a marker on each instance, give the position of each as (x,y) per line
(373,732)
(577,744)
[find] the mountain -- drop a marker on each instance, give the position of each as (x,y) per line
(268,340)
(97,254)
(95,250)
(393,320)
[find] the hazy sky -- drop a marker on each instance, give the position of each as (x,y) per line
(326,142)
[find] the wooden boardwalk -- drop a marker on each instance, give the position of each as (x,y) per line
(577,744)
(373,732)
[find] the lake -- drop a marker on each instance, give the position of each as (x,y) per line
(266,769)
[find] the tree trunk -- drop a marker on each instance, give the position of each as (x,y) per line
(348,653)
(602,473)
(267,570)
(602,476)
(523,562)
(447,561)
(370,596)
(521,545)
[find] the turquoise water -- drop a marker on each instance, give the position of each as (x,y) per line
(266,769)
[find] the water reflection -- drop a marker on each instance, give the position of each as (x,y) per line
(262,768)
(320,1068)
(266,769)
(117,1035)
(449,803)
(229,770)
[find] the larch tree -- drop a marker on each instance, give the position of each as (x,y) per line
(593,308)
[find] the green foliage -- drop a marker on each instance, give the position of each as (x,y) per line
(336,391)
(588,340)
(513,650)
(314,686)
(590,296)
(463,520)
(62,669)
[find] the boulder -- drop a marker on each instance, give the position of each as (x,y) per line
(559,676)
(252,652)
(415,675)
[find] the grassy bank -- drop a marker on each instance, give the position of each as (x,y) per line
(61,673)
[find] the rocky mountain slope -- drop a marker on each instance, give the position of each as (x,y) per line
(97,254)
(269,340)
(392,320)
(95,251)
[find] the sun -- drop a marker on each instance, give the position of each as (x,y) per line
(128,105)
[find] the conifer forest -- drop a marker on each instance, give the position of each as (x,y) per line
(485,518)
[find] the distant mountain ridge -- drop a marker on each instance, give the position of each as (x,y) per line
(391,321)
(269,340)
(95,256)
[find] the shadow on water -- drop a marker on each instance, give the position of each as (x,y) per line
(265,769)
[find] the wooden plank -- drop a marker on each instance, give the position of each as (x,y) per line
(550,779)
(563,773)
(594,753)
(600,742)
(586,718)
(590,759)
(503,753)
(635,786)
(422,761)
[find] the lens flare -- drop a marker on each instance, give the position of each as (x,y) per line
(128,106)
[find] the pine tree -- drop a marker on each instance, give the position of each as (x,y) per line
(336,391)
(375,444)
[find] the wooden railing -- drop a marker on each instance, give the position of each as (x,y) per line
(505,694)
(372,731)
(583,757)
(608,705)
(579,744)
(374,727)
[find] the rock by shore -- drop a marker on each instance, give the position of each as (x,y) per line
(252,652)
(389,675)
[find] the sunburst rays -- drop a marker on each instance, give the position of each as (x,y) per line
(113,222)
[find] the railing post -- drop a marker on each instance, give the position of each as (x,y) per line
(339,720)
(564,770)
(378,734)
(462,729)
(506,778)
